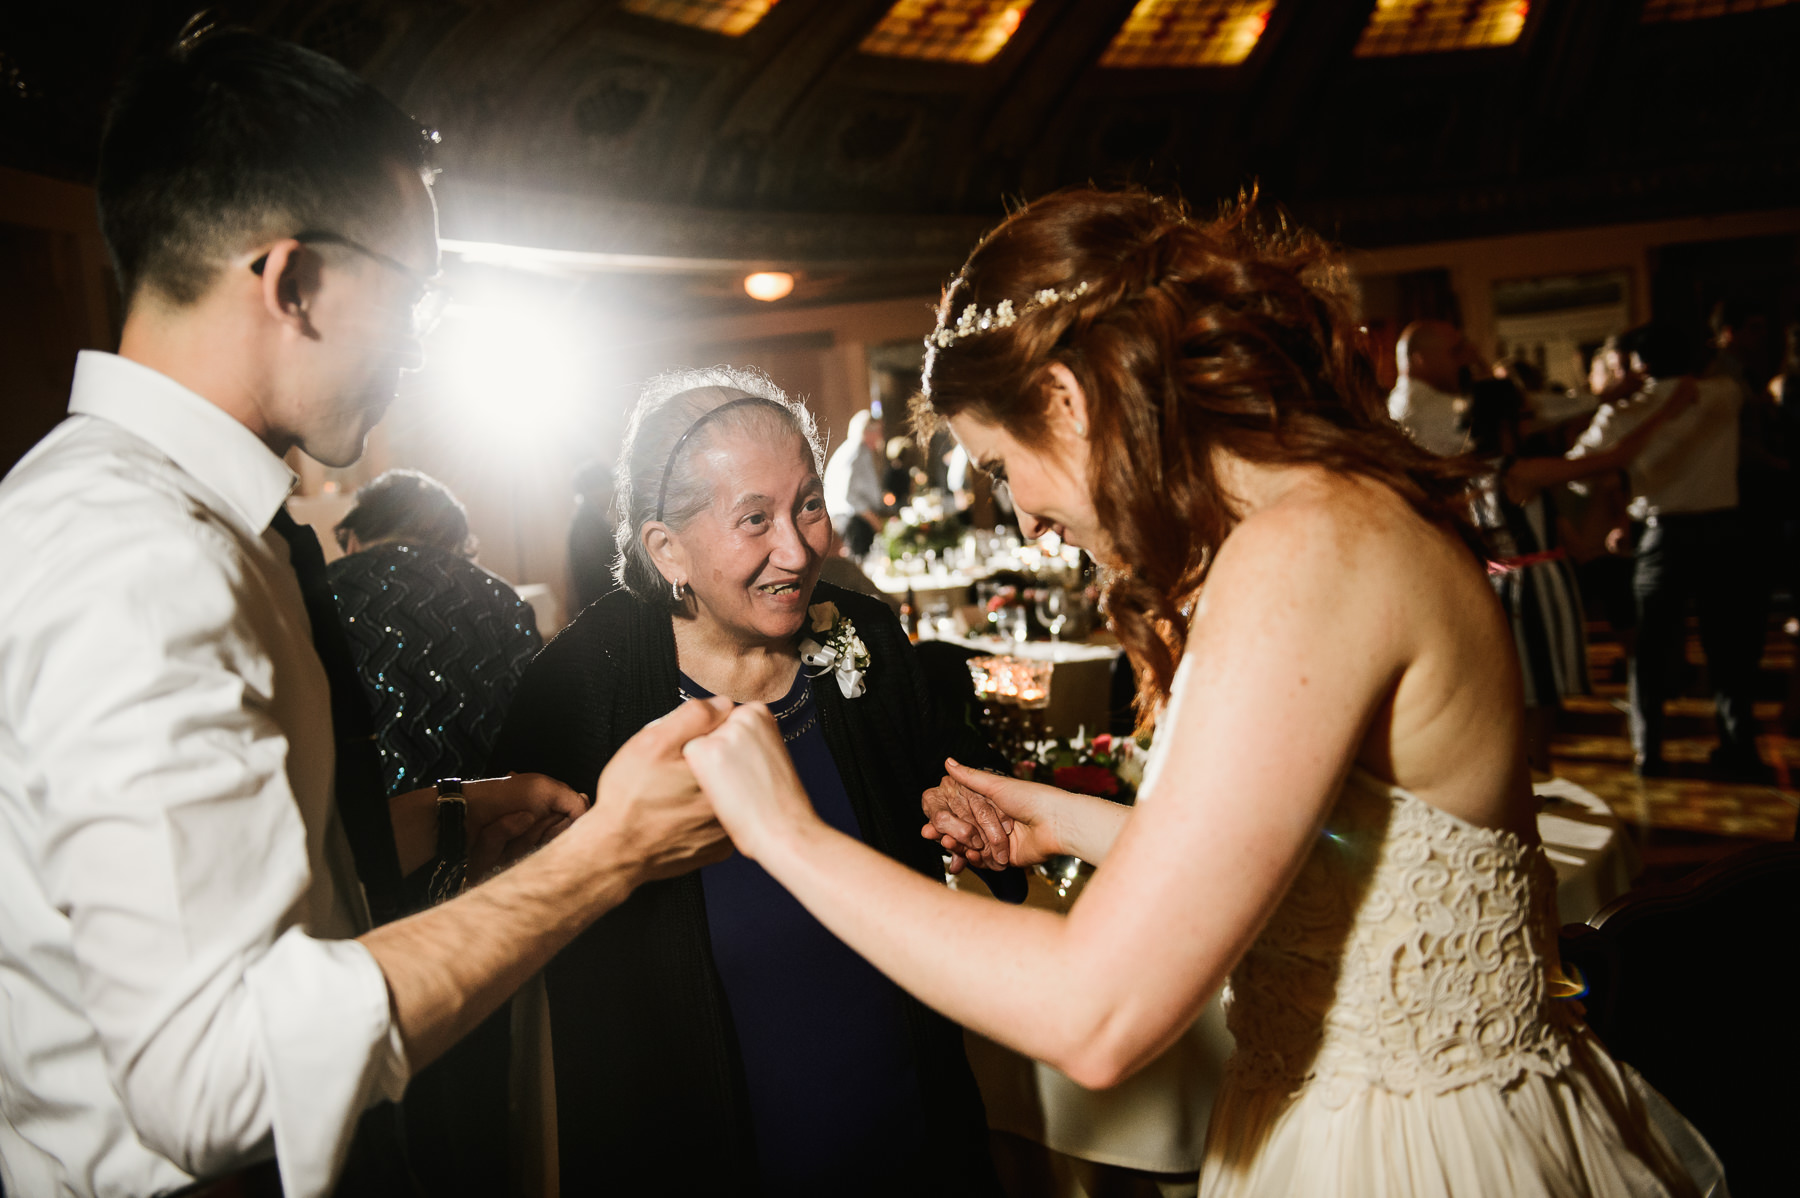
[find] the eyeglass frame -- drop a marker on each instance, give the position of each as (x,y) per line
(433,292)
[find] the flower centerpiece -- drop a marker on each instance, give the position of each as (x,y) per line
(916,532)
(1111,767)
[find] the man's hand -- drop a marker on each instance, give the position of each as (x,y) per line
(969,827)
(649,813)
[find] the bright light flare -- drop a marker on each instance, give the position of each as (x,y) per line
(513,375)
(769,285)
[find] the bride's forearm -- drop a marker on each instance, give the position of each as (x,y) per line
(1086,827)
(909,928)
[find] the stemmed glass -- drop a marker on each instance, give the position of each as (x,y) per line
(1053,610)
(1013,623)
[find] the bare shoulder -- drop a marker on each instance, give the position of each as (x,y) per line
(1340,533)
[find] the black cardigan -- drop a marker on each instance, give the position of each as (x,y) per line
(650,1088)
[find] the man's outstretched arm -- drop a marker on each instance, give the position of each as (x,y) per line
(450,967)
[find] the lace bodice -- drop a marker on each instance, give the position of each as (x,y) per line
(1410,954)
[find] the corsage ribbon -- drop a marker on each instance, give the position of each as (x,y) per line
(824,659)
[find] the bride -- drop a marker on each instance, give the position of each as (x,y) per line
(1339,820)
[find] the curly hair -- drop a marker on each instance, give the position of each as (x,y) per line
(1192,336)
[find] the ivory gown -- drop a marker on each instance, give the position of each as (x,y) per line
(1395,1034)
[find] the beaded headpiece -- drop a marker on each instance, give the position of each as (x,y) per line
(973,322)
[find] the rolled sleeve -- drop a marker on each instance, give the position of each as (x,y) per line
(322,1009)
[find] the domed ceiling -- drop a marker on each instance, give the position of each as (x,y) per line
(869,142)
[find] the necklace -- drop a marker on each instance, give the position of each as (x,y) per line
(791,710)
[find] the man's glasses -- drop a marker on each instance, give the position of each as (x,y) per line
(430,295)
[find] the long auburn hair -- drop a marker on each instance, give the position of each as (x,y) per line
(1237,334)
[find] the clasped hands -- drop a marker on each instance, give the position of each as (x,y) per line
(709,776)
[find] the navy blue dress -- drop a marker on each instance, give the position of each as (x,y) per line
(833,1091)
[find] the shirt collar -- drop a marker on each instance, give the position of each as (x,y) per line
(197,435)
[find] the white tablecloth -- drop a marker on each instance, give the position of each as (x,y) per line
(1080,685)
(1156,1120)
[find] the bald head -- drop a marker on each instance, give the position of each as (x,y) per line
(1432,351)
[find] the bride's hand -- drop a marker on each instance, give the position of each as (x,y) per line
(746,772)
(1028,810)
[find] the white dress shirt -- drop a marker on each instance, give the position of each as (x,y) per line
(852,482)
(178,996)
(1691,462)
(1428,414)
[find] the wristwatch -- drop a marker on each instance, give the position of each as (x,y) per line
(452,841)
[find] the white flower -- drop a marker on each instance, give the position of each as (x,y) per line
(842,654)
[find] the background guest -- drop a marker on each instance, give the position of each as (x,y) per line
(1693,549)
(1740,346)
(853,483)
(439,644)
(591,535)
(1434,359)
(1530,570)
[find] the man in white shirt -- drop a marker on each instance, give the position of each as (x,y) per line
(853,494)
(1693,551)
(188,981)
(1431,355)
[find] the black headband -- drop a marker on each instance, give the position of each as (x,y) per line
(662,496)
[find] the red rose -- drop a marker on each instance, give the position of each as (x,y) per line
(1088,780)
(1103,743)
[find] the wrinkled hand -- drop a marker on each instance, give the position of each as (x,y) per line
(968,827)
(649,811)
(1027,809)
(745,770)
(507,818)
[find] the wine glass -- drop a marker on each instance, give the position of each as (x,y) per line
(1013,623)
(1053,610)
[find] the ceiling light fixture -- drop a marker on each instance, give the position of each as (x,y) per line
(768,285)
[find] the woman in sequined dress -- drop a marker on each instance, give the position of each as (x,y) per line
(1338,818)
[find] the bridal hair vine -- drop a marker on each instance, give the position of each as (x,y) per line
(973,322)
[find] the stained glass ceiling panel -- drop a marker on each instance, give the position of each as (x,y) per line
(1694,10)
(946,30)
(1188,33)
(1430,26)
(731,17)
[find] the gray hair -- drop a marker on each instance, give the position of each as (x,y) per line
(666,409)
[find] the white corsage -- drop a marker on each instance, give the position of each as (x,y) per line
(842,652)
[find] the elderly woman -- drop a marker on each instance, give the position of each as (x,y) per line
(710,1036)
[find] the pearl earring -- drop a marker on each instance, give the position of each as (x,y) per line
(1080,429)
(678,589)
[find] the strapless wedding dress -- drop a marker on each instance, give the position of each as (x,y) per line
(1395,1034)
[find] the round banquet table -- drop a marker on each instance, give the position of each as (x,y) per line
(1155,1120)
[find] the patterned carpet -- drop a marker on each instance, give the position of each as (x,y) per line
(1682,821)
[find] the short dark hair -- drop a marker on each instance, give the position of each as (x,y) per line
(229,136)
(406,505)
